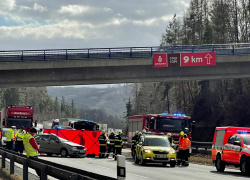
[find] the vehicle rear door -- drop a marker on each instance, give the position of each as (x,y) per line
(228,152)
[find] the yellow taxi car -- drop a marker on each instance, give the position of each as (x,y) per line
(155,148)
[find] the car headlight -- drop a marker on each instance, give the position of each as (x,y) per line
(172,151)
(147,150)
(74,148)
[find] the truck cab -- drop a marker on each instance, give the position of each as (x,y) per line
(231,146)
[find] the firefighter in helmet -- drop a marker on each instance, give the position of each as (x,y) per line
(134,143)
(118,144)
(111,144)
(180,152)
(102,142)
(170,138)
(185,146)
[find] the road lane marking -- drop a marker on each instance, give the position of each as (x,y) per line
(103,167)
(138,175)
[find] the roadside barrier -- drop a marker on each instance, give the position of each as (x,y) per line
(46,168)
(89,139)
(201,147)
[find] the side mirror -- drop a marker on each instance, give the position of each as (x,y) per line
(57,141)
(193,127)
(237,143)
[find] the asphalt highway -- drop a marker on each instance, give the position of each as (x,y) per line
(108,167)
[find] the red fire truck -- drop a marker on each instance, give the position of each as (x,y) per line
(17,115)
(231,146)
(165,123)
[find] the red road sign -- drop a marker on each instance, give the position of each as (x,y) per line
(160,60)
(198,59)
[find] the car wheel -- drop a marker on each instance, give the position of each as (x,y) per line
(244,166)
(220,165)
(136,159)
(172,163)
(64,153)
(49,154)
(142,161)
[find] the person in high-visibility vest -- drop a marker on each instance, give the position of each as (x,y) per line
(40,131)
(111,144)
(10,137)
(31,147)
(118,144)
(19,140)
(185,146)
(180,152)
(102,142)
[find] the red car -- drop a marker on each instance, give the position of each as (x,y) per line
(231,146)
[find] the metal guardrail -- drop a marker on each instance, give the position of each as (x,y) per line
(46,168)
(117,53)
(201,147)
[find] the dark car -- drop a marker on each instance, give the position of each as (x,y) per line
(52,144)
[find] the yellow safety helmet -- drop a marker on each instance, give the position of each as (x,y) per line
(181,133)
(136,132)
(143,131)
(169,134)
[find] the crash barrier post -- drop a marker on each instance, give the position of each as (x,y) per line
(48,168)
(89,139)
(202,147)
(121,167)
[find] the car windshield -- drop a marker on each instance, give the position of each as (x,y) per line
(156,142)
(172,125)
(246,140)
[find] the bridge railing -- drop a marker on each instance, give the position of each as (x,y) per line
(117,53)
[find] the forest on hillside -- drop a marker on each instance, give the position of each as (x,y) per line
(45,108)
(210,103)
(48,108)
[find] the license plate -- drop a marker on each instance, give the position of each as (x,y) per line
(160,156)
(82,151)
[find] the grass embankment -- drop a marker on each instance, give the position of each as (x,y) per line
(201,158)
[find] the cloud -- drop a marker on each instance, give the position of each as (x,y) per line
(40,8)
(8,4)
(37,24)
(74,9)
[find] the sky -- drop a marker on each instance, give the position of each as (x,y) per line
(70,24)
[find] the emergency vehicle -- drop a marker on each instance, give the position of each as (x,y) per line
(161,123)
(231,146)
(17,115)
(154,148)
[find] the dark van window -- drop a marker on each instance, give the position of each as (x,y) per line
(231,140)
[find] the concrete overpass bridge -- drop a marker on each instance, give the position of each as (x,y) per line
(61,67)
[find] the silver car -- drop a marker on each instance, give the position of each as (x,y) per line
(52,144)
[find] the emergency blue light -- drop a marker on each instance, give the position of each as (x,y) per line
(243,132)
(179,114)
(59,127)
(90,121)
(164,113)
(154,133)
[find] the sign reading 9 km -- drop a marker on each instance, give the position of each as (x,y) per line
(186,59)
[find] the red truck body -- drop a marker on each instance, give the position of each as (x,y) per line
(17,115)
(161,123)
